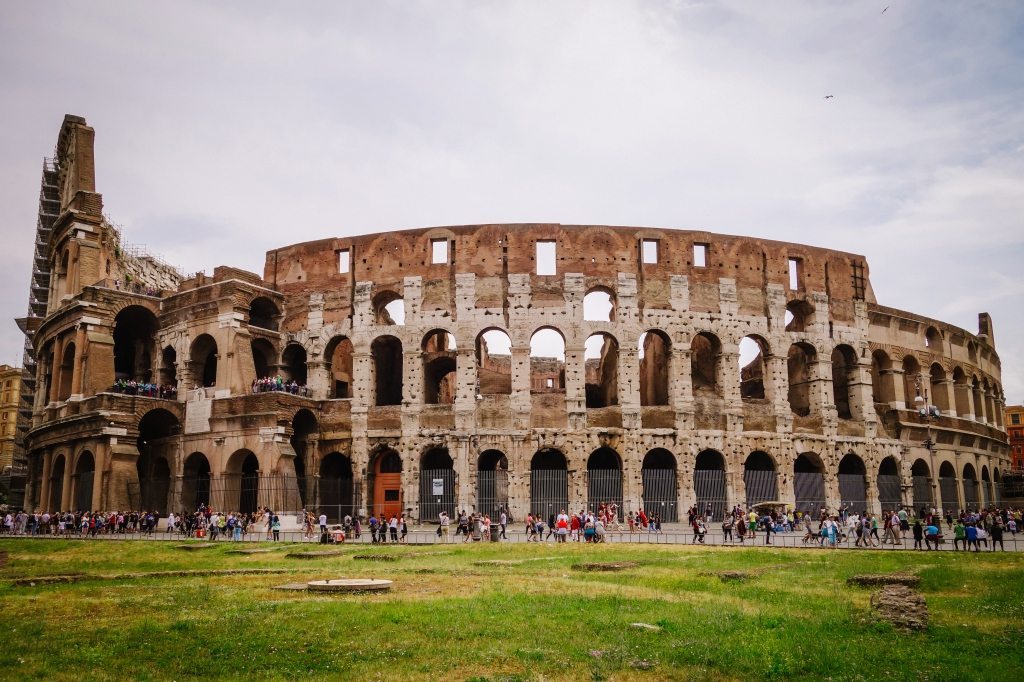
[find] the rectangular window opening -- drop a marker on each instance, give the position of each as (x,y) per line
(700,255)
(343,261)
(794,273)
(550,383)
(546,258)
(438,251)
(649,251)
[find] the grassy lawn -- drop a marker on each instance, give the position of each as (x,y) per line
(532,617)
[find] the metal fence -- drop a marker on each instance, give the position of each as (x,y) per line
(83,490)
(659,494)
(853,492)
(492,491)
(950,497)
(922,486)
(336,497)
(970,493)
(810,491)
(761,485)
(604,486)
(709,487)
(241,493)
(889,492)
(437,493)
(549,491)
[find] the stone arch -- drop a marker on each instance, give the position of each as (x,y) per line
(493,362)
(705,364)
(338,354)
(604,480)
(55,503)
(889,484)
(948,487)
(754,373)
(844,380)
(82,481)
(660,492)
(386,353)
(293,363)
(305,434)
(911,380)
(157,448)
(547,360)
(264,357)
(656,366)
(939,392)
(67,372)
(242,474)
(385,482)
(195,483)
(135,330)
(389,308)
(853,483)
(264,314)
(760,478)
(169,367)
(549,483)
(977,393)
(921,481)
(709,483)
(970,483)
(798,316)
(336,487)
(883,384)
(800,363)
(809,483)
(492,483)
(961,393)
(601,364)
(437,473)
(440,365)
(203,360)
(933,340)
(599,305)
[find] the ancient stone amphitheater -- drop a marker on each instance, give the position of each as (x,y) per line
(535,367)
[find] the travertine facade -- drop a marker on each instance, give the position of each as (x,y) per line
(422,392)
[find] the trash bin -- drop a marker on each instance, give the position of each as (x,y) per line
(495,529)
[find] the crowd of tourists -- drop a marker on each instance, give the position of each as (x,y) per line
(81,523)
(145,389)
(278,384)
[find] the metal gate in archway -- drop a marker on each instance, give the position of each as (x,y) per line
(492,492)
(604,486)
(437,493)
(889,492)
(549,491)
(761,485)
(809,489)
(660,494)
(922,493)
(83,491)
(950,497)
(853,492)
(709,486)
(970,493)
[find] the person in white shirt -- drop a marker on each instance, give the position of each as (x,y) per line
(323,523)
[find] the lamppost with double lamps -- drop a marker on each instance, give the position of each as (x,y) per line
(929,413)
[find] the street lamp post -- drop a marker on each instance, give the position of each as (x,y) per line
(928,413)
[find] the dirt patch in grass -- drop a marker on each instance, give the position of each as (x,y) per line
(76,577)
(375,557)
(903,607)
(877,579)
(315,555)
(606,566)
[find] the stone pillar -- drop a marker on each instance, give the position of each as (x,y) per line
(862,404)
(100,459)
(55,370)
(76,375)
(65,491)
(576,379)
(947,387)
(520,400)
(972,409)
(899,387)
(44,499)
(318,379)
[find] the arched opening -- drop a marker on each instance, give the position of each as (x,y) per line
(753,367)
(63,275)
(604,480)
(601,365)
(293,364)
(243,471)
(809,483)
(385,483)
(169,368)
(437,484)
(798,316)
(135,330)
(940,392)
(493,363)
(970,487)
(67,371)
(57,483)
(195,482)
(972,352)
(976,392)
(439,368)
(336,487)
(547,361)
(655,367)
(305,434)
(948,488)
(263,358)
(386,352)
(986,487)
(760,479)
(549,483)
(599,305)
(492,483)
(709,483)
(933,340)
(911,381)
(921,483)
(660,496)
(157,432)
(883,385)
(705,358)
(853,484)
(961,393)
(844,378)
(264,313)
(339,356)
(389,308)
(889,485)
(203,360)
(800,365)
(85,472)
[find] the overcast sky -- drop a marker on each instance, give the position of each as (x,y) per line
(226,129)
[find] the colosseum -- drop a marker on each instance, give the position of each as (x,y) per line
(532,367)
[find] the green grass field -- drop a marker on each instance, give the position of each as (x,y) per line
(534,617)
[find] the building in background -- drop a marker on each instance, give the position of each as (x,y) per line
(10,396)
(1015,432)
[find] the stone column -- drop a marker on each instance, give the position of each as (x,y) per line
(100,459)
(55,370)
(76,375)
(65,491)
(899,388)
(318,379)
(44,499)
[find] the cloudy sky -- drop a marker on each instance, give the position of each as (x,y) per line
(226,129)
